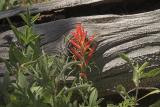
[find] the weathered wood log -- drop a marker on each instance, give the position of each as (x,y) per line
(137,35)
(57,5)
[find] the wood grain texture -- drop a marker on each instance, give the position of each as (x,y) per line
(59,4)
(137,35)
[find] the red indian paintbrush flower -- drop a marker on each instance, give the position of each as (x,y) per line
(82,47)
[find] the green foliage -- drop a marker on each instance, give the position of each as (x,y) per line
(6,4)
(122,91)
(28,19)
(128,101)
(90,97)
(46,87)
(41,79)
(2,3)
(125,103)
(26,49)
(139,71)
(138,74)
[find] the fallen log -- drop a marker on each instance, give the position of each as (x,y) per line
(57,5)
(137,35)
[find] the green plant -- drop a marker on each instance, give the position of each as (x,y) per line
(23,52)
(90,97)
(139,73)
(41,79)
(47,85)
(6,4)
(27,48)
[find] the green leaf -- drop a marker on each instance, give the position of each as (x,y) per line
(100,100)
(65,67)
(93,98)
(13,98)
(9,67)
(126,58)
(84,86)
(151,73)
(138,72)
(122,91)
(22,80)
(12,58)
(141,69)
(24,17)
(18,34)
(135,77)
(112,105)
(30,94)
(34,18)
(17,55)
(75,104)
(156,91)
(29,35)
(2,3)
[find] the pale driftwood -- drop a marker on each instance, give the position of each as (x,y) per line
(51,5)
(137,35)
(57,5)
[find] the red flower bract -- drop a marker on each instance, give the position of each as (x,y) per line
(82,47)
(83,75)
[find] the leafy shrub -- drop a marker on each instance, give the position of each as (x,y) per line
(138,74)
(40,80)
